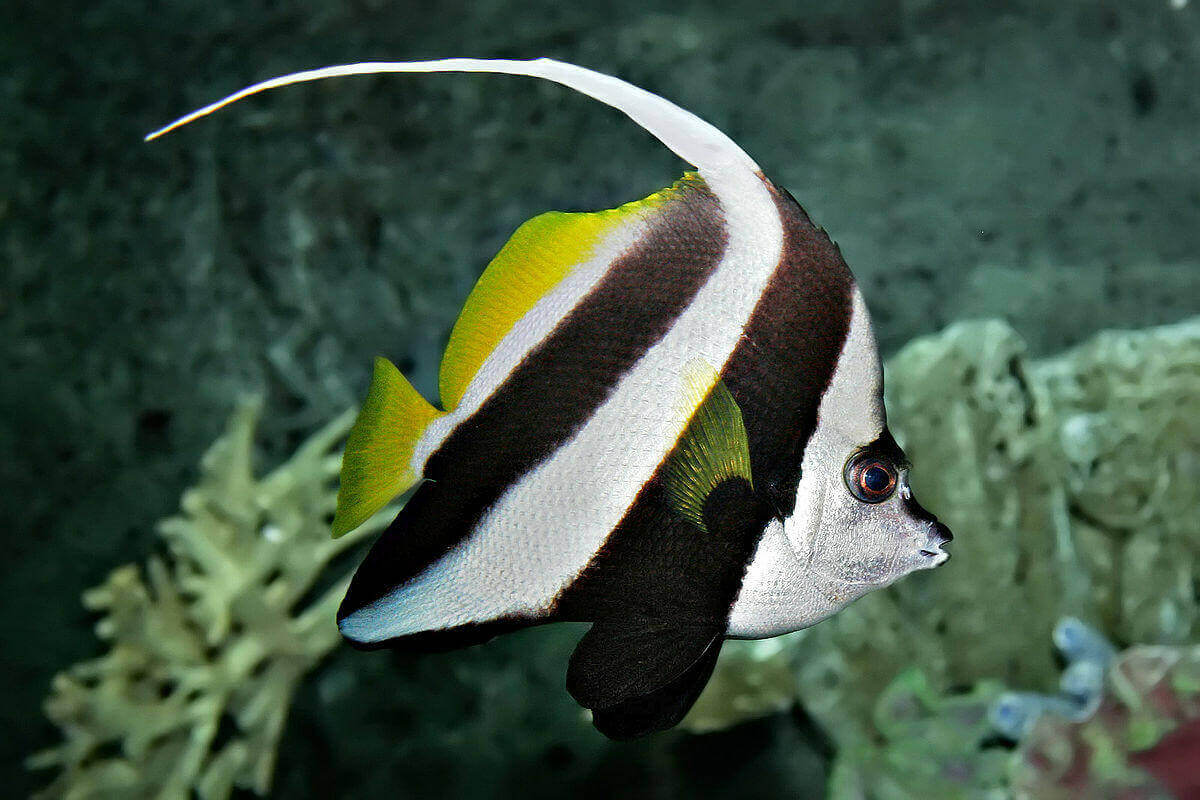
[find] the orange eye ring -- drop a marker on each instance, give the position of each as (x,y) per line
(871,479)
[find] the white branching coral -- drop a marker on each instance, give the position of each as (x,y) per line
(207,644)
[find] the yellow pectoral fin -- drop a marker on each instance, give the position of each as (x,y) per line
(377,463)
(712,449)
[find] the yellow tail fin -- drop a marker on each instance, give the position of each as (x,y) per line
(376,466)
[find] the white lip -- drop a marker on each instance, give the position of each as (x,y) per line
(933,550)
(936,555)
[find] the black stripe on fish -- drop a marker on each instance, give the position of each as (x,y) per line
(553,392)
(658,565)
(886,448)
(789,350)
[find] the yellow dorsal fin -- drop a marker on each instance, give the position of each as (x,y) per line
(540,254)
(712,449)
(376,465)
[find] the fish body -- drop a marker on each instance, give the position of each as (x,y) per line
(665,419)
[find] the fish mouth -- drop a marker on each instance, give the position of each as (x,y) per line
(939,537)
(936,556)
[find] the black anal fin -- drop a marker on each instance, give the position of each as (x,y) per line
(641,676)
(664,707)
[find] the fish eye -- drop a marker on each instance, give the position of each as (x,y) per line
(870,478)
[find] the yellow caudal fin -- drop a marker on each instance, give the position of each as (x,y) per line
(376,465)
(540,254)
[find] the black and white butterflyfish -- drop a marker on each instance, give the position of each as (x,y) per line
(665,419)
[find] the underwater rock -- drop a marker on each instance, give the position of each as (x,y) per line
(208,642)
(1069,484)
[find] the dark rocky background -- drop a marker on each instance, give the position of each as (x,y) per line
(1036,161)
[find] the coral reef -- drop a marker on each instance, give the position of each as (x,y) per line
(206,650)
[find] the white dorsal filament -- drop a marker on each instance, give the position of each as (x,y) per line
(689,137)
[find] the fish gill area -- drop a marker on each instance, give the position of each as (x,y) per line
(1029,166)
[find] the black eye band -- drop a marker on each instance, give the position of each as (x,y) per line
(870,478)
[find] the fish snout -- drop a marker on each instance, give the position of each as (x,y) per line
(936,538)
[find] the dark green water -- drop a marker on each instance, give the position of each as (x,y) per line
(1038,162)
